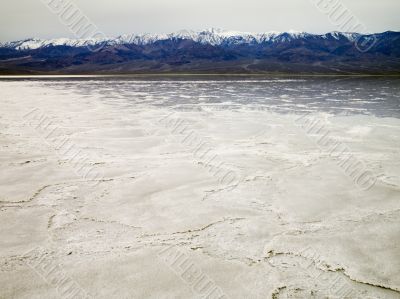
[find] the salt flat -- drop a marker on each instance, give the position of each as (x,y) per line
(121,188)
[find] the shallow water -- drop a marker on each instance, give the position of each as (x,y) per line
(377,96)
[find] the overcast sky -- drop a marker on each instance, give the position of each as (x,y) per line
(21,19)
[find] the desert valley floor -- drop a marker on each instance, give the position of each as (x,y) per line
(199,188)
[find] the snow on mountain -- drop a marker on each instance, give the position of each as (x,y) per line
(338,35)
(33,43)
(210,36)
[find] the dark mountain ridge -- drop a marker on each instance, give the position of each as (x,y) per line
(208,52)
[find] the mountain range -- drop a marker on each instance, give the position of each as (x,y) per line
(208,51)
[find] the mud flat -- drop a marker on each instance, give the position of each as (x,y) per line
(101,197)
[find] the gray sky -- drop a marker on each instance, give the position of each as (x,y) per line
(21,19)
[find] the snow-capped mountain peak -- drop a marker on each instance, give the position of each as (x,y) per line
(211,50)
(211,36)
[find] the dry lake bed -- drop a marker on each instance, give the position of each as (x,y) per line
(121,187)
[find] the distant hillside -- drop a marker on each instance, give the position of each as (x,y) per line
(209,51)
